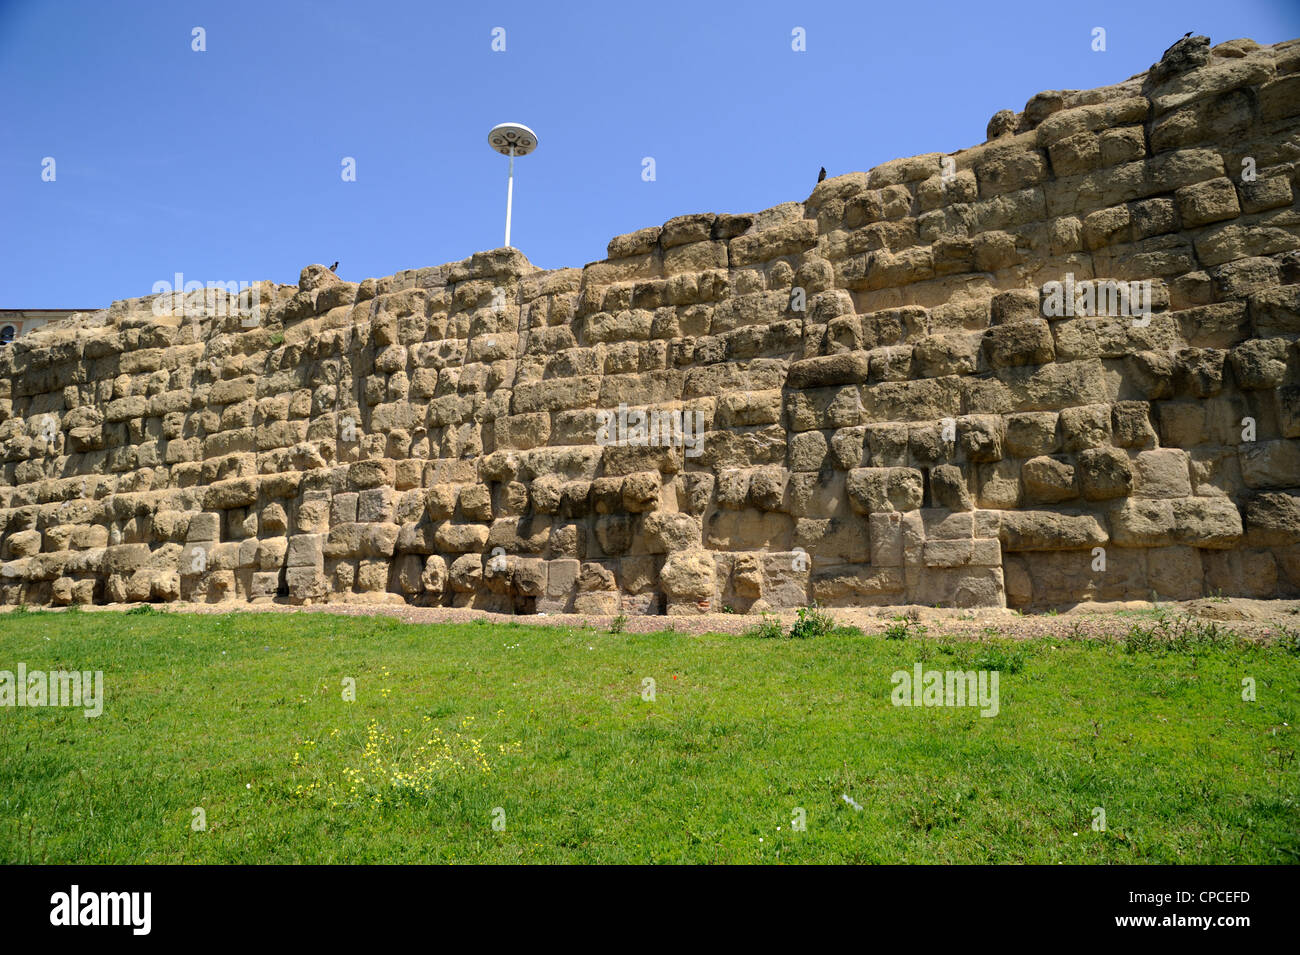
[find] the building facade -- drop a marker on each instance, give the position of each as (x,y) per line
(15,322)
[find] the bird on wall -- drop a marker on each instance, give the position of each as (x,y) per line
(821,175)
(334,267)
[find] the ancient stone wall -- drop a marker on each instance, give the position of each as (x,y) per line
(895,403)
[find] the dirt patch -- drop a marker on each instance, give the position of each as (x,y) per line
(1251,618)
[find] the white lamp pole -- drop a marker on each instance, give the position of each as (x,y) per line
(511,139)
(510,193)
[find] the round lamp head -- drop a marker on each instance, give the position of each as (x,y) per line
(515,136)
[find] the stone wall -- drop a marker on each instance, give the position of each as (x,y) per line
(893,409)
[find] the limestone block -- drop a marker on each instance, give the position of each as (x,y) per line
(475,501)
(1084,427)
(665,532)
(1206,522)
(998,484)
(1206,202)
(1049,480)
(466,573)
(1270,464)
(1162,473)
(375,505)
(843,369)
(948,488)
(847,587)
(433,576)
(1250,573)
(1019,343)
(1131,424)
(885,489)
(939,355)
(1273,519)
(461,538)
(767,488)
(529,576)
(562,577)
(641,491)
(1104,473)
(304,583)
(688,575)
(305,550)
(979,437)
(225,495)
(1033,530)
(1260,363)
(1031,433)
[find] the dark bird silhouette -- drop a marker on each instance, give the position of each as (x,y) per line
(1187,34)
(821,175)
(334,267)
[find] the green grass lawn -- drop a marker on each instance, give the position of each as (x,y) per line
(242,716)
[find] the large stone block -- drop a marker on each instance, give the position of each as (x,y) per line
(885,489)
(1050,530)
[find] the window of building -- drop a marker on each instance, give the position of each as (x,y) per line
(7,334)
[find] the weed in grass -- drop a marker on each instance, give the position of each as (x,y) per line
(811,623)
(618,624)
(140,609)
(935,810)
(769,628)
(1185,634)
(393,767)
(1289,639)
(904,627)
(1000,658)
(897,630)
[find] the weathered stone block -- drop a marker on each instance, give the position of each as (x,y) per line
(1206,202)
(1050,530)
(885,489)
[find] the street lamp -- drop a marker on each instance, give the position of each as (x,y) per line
(511,139)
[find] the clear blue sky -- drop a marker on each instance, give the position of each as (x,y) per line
(225,165)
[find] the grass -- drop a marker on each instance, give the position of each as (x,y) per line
(552,735)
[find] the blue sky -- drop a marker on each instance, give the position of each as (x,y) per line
(225,164)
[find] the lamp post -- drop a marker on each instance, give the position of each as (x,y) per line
(511,139)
